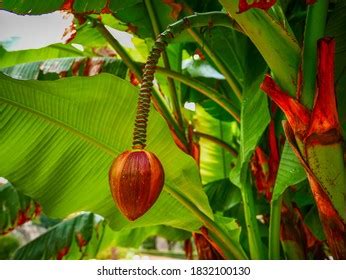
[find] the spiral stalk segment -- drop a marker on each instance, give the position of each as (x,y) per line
(197,20)
(143,107)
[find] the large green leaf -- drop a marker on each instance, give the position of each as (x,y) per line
(254,120)
(254,112)
(51,68)
(276,44)
(8,59)
(215,161)
(290,172)
(74,238)
(59,139)
(222,38)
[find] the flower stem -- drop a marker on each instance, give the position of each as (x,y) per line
(135,68)
(217,141)
(231,80)
(166,63)
(274,229)
(204,89)
(255,244)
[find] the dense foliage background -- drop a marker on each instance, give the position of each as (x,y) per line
(234,188)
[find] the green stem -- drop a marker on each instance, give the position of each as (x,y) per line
(204,89)
(314,30)
(274,229)
(255,244)
(171,85)
(217,141)
(135,68)
(231,80)
(229,247)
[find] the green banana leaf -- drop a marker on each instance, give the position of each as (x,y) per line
(255,115)
(290,172)
(74,238)
(15,208)
(215,161)
(51,68)
(59,138)
(222,195)
(277,45)
(8,59)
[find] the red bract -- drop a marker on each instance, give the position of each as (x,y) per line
(194,147)
(176,139)
(310,135)
(133,79)
(176,8)
(188,249)
(62,253)
(67,6)
(206,248)
(324,116)
(22,217)
(200,54)
(38,210)
(136,180)
(264,168)
(106,9)
(294,230)
(81,241)
(297,115)
(334,227)
(260,4)
(260,170)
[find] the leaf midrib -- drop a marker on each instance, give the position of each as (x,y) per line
(77,132)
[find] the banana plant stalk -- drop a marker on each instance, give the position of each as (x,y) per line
(315,137)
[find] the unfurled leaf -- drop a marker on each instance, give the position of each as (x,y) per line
(65,134)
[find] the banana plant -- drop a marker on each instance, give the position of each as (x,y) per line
(239,102)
